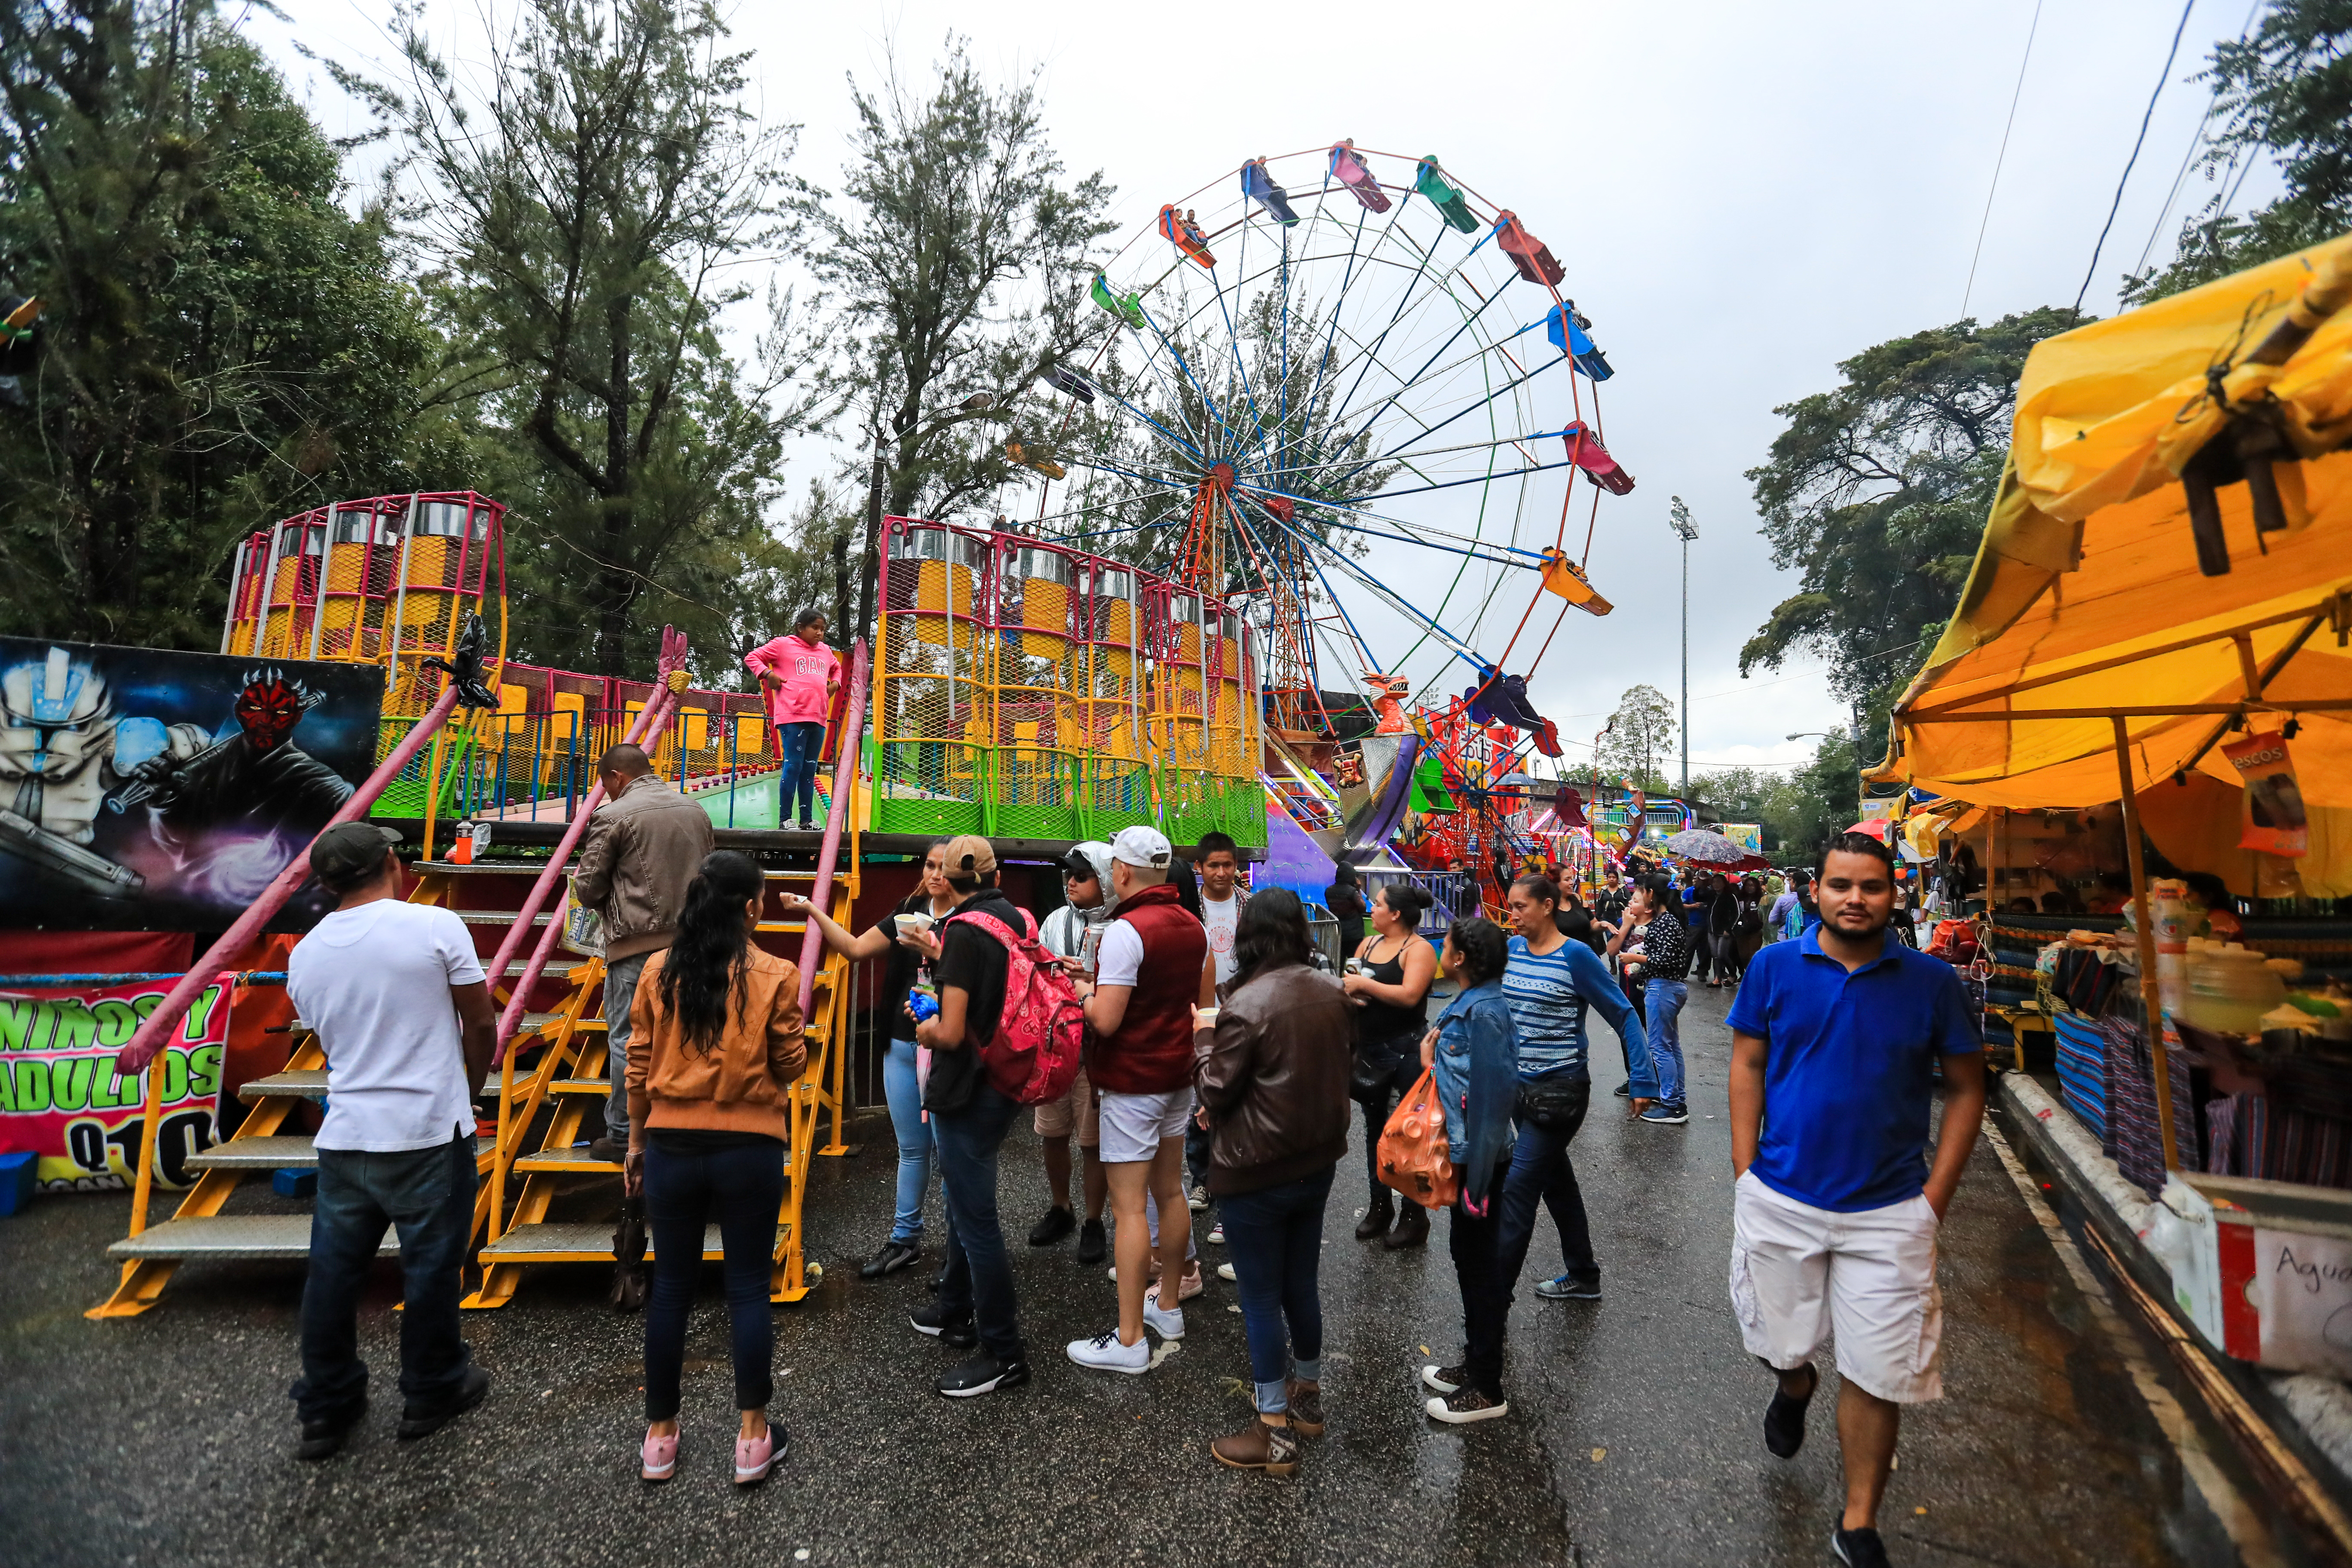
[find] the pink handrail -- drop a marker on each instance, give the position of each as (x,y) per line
(837,817)
(650,719)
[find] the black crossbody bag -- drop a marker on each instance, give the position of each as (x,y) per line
(1555,1107)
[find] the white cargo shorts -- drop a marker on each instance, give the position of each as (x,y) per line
(1799,1274)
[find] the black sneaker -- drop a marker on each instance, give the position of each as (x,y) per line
(1057,1224)
(1784,1428)
(323,1439)
(1569,1287)
(1094,1244)
(1623,1091)
(1465,1405)
(1858,1548)
(932,1318)
(981,1372)
(422,1422)
(890,1258)
(1445,1379)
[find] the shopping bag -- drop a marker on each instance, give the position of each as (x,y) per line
(1412,1152)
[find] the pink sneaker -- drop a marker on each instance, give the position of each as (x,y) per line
(755,1457)
(660,1457)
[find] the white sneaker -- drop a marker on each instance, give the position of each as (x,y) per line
(1167,1322)
(1104,1354)
(1225,1271)
(1217,1234)
(1197,1199)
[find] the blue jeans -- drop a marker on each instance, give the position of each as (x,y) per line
(1542,1172)
(1666,999)
(801,748)
(1276,1237)
(620,991)
(979,1279)
(741,1189)
(428,1193)
(906,1098)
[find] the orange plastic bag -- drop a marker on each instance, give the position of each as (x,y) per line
(1413,1156)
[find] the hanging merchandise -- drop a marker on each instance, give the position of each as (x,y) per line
(2274,821)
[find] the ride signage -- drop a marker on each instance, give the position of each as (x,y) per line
(61,1101)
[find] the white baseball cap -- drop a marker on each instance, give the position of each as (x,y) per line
(1142,847)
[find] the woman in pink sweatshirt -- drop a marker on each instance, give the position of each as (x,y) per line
(800,675)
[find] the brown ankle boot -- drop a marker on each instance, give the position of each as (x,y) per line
(1412,1228)
(1306,1408)
(1258,1446)
(1376,1218)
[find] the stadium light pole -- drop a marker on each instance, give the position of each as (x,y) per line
(1678,518)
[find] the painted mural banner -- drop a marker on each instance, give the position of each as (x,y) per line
(61,1101)
(142,789)
(1748,836)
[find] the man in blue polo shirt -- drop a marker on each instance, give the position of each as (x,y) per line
(1835,1040)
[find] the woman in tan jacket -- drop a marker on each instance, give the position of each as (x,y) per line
(714,1047)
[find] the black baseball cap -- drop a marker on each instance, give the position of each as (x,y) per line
(350,852)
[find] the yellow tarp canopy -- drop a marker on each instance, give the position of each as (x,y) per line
(2086,594)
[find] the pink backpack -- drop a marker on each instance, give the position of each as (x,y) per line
(1033,1055)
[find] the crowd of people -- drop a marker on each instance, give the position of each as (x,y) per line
(1221,1057)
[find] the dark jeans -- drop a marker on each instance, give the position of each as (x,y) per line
(979,1280)
(1276,1236)
(1476,1242)
(741,1189)
(428,1193)
(1540,1170)
(801,747)
(1628,983)
(1196,1153)
(1402,1075)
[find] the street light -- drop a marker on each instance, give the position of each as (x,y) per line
(1811,734)
(1678,518)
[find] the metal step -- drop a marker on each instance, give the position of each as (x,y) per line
(557,969)
(577,1243)
(599,1087)
(499,917)
(303,1083)
(575,1158)
(233,1236)
(484,867)
(532,1023)
(279,1151)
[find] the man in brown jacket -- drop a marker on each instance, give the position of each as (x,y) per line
(643,846)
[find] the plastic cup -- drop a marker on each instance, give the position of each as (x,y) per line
(1204,1017)
(911,924)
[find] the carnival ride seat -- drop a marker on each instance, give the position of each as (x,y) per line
(1062,378)
(1566,578)
(1528,254)
(1569,328)
(1585,449)
(1257,184)
(1184,233)
(1450,203)
(1356,174)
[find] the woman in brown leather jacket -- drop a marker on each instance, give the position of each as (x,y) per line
(1272,1076)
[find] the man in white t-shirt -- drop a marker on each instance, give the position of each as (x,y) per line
(402,1009)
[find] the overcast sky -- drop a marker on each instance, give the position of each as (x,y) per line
(1742,195)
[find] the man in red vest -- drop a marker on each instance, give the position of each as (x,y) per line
(1140,1011)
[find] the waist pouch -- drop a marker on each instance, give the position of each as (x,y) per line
(1554,1107)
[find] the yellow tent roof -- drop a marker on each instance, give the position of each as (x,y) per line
(2086,601)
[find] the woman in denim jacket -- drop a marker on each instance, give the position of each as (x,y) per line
(1476,1064)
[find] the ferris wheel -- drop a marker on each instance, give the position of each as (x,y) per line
(1349,393)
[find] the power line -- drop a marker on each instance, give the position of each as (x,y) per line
(2000,157)
(2190,158)
(2137,143)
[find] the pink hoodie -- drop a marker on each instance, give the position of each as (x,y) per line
(803,671)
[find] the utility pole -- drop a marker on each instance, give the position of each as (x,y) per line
(1679,520)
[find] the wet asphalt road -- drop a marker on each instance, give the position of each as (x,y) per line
(1632,1437)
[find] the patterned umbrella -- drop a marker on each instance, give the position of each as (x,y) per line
(1704,844)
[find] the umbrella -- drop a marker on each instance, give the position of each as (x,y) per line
(1704,844)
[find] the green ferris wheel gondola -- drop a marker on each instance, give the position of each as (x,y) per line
(1128,308)
(1455,207)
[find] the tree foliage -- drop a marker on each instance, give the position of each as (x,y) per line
(581,216)
(1877,493)
(2284,92)
(221,343)
(1640,737)
(961,256)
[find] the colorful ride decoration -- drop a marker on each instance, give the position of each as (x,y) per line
(1029,690)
